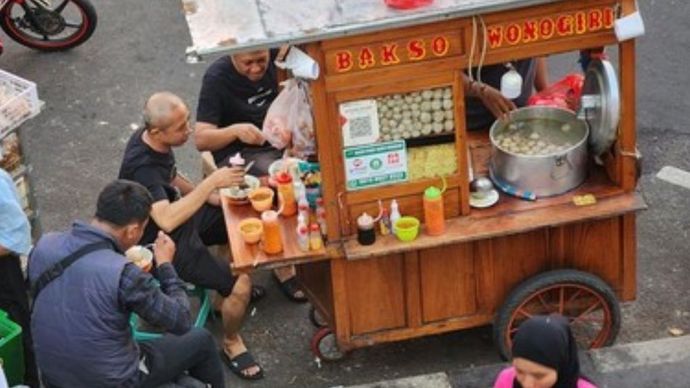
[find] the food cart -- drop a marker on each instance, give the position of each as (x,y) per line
(497,265)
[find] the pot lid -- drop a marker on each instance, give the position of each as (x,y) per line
(600,105)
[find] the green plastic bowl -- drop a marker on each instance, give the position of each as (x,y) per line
(406,228)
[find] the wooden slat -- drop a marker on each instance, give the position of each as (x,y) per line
(448,279)
(478,226)
(375,292)
(413,303)
(246,257)
(446,326)
(627,136)
(595,247)
(629,264)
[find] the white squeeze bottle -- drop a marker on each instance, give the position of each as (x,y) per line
(395,214)
(302,234)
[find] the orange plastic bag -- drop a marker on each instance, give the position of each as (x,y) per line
(562,94)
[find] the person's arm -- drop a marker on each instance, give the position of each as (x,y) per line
(491,97)
(183,184)
(541,77)
(168,216)
(167,305)
(4,251)
(208,137)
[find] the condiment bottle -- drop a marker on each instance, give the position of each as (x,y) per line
(365,229)
(272,238)
(395,214)
(237,160)
(300,191)
(285,188)
(385,223)
(303,207)
(302,234)
(433,210)
(315,240)
(321,216)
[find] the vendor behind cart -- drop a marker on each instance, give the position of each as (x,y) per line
(235,95)
(485,103)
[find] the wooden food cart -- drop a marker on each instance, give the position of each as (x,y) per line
(497,265)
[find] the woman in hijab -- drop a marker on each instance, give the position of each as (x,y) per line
(544,356)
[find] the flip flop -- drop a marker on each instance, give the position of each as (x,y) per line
(240,363)
(258,293)
(290,288)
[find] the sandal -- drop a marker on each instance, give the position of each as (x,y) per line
(258,293)
(240,363)
(290,288)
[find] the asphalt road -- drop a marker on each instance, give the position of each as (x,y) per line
(94,95)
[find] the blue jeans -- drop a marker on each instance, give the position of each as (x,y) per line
(168,357)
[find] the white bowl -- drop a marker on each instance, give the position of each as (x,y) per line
(241,194)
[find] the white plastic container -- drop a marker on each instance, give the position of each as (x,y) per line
(18,101)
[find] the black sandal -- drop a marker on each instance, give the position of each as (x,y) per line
(258,293)
(240,363)
(290,288)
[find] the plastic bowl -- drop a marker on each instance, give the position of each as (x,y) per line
(261,199)
(237,194)
(141,256)
(251,230)
(406,228)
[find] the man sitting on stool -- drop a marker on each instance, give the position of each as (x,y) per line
(81,312)
(193,219)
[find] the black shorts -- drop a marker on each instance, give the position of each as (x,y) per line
(193,260)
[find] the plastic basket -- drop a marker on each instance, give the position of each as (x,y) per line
(18,101)
(11,350)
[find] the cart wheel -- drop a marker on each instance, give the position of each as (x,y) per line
(325,346)
(585,300)
(316,318)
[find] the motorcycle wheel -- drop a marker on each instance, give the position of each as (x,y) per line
(67,24)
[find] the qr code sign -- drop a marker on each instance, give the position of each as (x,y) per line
(359,122)
(360,127)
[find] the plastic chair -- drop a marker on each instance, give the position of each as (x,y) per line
(200,321)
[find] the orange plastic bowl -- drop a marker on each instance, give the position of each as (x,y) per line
(251,230)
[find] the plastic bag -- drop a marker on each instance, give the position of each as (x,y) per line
(562,94)
(289,120)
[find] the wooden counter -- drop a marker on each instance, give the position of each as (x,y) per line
(513,216)
(247,257)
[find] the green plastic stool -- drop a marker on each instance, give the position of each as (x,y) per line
(11,350)
(200,321)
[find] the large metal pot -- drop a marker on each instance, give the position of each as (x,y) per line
(546,174)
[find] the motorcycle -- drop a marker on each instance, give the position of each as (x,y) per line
(48,25)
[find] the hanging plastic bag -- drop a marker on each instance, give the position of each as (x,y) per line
(289,120)
(562,94)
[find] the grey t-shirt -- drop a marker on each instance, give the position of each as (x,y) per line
(476,115)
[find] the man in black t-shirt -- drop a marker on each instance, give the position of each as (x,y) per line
(191,216)
(235,95)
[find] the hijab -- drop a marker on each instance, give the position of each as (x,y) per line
(547,340)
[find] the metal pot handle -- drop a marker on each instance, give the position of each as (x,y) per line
(560,163)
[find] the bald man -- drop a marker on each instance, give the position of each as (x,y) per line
(191,216)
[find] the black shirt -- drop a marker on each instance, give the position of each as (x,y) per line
(227,98)
(154,170)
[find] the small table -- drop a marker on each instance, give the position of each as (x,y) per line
(248,257)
